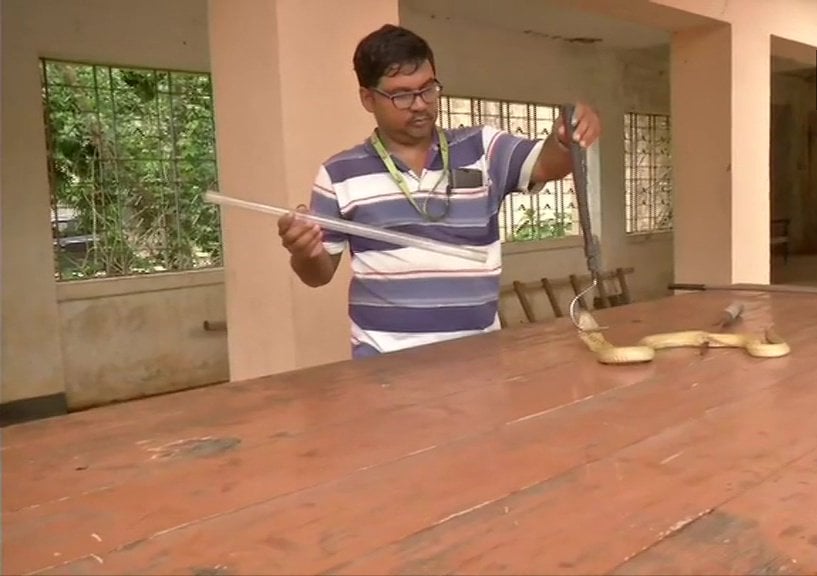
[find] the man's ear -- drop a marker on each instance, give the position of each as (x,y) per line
(367,99)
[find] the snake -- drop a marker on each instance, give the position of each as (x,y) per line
(769,345)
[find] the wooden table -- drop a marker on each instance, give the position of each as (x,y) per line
(512,453)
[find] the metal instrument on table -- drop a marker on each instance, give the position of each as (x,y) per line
(744,287)
(730,315)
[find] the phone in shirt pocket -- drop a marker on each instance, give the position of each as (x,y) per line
(471,206)
(465,178)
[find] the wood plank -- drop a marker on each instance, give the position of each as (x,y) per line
(508,460)
(768,529)
(234,409)
(293,404)
(453,426)
(592,519)
(334,451)
(315,457)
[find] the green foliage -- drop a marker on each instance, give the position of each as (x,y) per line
(532,227)
(130,154)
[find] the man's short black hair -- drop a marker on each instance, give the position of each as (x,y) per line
(386,51)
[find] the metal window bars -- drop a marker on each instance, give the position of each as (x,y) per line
(548,212)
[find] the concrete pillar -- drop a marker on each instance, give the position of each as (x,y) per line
(285,99)
(30,346)
(751,135)
(700,68)
(720,106)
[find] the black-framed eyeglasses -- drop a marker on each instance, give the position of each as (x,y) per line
(405,100)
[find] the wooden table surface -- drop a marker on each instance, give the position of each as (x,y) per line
(510,453)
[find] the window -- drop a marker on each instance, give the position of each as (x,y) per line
(647,173)
(547,213)
(130,153)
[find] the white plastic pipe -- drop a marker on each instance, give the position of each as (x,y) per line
(362,230)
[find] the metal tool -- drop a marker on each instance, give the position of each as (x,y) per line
(592,252)
(730,315)
(785,288)
(356,229)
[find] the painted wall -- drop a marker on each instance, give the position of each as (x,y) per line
(794,20)
(534,69)
(126,338)
(735,55)
(123,338)
(98,340)
(284,103)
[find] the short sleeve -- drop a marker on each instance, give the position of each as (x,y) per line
(324,202)
(510,159)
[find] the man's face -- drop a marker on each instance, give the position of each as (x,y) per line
(406,103)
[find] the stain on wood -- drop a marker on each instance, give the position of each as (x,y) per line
(509,453)
(197,447)
(717,543)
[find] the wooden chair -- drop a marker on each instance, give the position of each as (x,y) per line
(529,294)
(619,296)
(780,237)
(614,292)
(505,293)
(523,289)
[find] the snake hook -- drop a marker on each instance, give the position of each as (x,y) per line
(589,325)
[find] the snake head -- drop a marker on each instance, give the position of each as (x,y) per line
(586,322)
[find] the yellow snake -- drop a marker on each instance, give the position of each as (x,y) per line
(768,346)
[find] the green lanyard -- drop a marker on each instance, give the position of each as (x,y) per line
(397,176)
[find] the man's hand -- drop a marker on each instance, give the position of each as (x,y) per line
(554,160)
(302,239)
(588,126)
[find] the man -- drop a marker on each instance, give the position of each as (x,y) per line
(412,177)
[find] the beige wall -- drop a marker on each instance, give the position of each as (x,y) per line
(720,61)
(286,99)
(722,158)
(73,338)
(534,69)
(793,20)
(145,335)
(129,337)
(116,339)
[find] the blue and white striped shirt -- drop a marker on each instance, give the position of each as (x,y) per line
(403,297)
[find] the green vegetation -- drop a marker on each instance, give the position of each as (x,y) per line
(130,153)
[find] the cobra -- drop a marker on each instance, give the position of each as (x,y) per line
(769,345)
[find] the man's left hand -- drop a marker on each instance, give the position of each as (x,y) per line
(588,126)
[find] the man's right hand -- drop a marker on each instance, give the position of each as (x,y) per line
(303,239)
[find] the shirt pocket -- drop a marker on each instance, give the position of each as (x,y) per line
(472,217)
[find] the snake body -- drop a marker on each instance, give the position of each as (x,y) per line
(770,345)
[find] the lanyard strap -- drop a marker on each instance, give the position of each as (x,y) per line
(398,178)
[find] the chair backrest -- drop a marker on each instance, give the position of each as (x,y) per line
(532,297)
(605,298)
(780,227)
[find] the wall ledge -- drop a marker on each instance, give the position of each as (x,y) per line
(108,287)
(509,248)
(648,237)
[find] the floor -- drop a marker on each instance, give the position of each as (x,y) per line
(511,453)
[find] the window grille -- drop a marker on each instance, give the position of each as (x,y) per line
(130,153)
(647,171)
(549,212)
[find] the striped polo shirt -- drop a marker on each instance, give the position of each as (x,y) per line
(401,297)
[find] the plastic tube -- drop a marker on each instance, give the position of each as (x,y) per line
(362,230)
